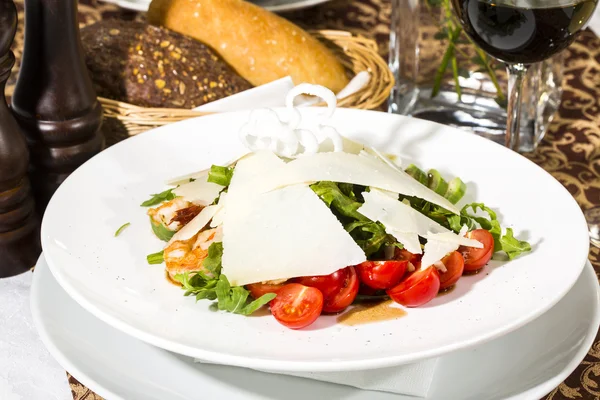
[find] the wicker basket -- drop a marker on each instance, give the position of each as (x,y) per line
(355,53)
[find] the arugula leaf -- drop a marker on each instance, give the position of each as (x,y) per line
(155,258)
(216,287)
(439,214)
(490,224)
(159,198)
(512,246)
(161,231)
(347,189)
(197,285)
(369,235)
(213,262)
(121,228)
(507,242)
(333,196)
(258,303)
(235,299)
(485,223)
(220,175)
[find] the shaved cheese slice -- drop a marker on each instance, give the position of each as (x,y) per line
(392,161)
(410,241)
(435,250)
(280,234)
(196,224)
(440,244)
(397,216)
(451,237)
(405,223)
(351,168)
(217,219)
(199,191)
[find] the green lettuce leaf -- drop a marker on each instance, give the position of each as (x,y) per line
(507,242)
(161,231)
(213,262)
(197,285)
(159,198)
(512,246)
(220,175)
(333,196)
(216,287)
(122,228)
(369,235)
(155,258)
(235,299)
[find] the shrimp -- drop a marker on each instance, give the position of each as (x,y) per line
(187,255)
(166,213)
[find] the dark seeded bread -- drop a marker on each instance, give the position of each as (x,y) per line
(154,67)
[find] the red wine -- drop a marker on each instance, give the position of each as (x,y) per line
(523,35)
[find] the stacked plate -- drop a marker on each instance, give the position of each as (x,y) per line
(514,331)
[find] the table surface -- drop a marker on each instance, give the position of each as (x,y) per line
(570,150)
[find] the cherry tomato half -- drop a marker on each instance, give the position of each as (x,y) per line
(381,274)
(417,289)
(455,265)
(475,258)
(414,259)
(345,296)
(297,306)
(258,289)
(328,284)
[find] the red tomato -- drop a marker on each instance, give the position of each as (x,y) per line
(381,274)
(475,258)
(258,289)
(454,264)
(345,296)
(328,284)
(414,259)
(417,289)
(297,306)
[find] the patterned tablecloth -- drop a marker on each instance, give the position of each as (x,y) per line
(570,151)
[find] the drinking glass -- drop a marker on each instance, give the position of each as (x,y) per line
(520,33)
(442,76)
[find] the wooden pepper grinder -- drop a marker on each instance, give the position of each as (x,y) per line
(19,226)
(54,100)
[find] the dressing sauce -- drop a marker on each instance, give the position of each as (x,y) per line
(171,279)
(368,313)
(446,291)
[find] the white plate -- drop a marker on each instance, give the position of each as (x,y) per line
(117,366)
(110,277)
(271,5)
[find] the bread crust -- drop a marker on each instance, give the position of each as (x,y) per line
(258,44)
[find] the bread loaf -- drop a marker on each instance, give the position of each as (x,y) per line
(150,66)
(258,44)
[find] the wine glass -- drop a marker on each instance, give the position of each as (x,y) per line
(592,216)
(520,33)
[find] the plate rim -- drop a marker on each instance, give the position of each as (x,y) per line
(308,366)
(142,6)
(535,392)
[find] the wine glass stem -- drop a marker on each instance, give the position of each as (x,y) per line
(516,74)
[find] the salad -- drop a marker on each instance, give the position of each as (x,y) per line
(308,222)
